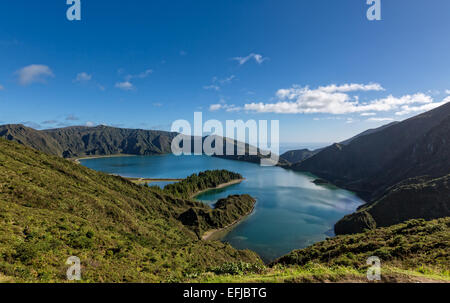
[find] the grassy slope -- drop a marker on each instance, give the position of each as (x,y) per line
(52,208)
(414,251)
(423,197)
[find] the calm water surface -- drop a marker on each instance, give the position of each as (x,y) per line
(291,211)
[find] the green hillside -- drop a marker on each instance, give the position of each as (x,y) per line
(51,209)
(414,251)
(424,197)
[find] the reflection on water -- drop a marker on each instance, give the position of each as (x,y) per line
(291,211)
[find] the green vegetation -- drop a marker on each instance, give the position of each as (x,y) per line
(414,251)
(412,245)
(226,212)
(424,197)
(194,184)
(317,273)
(51,209)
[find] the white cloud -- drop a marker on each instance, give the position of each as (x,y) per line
(34,73)
(226,107)
(142,75)
(406,109)
(352,87)
(368,114)
(215,107)
(227,80)
(2,87)
(380,119)
(296,91)
(447,91)
(126,85)
(393,103)
(212,87)
(334,99)
(257,57)
(216,83)
(83,77)
(90,124)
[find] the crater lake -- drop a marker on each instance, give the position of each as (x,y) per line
(291,211)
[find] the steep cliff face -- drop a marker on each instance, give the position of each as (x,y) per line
(425,197)
(81,141)
(430,155)
(372,163)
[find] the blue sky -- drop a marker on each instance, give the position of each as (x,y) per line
(320,67)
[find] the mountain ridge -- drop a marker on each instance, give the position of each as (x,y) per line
(84,141)
(356,166)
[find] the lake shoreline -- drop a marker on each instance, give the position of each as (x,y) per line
(209,235)
(150,180)
(299,196)
(78,159)
(223,185)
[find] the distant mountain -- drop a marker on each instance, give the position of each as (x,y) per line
(374,162)
(81,141)
(248,153)
(32,138)
(294,156)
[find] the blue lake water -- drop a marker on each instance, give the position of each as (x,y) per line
(291,211)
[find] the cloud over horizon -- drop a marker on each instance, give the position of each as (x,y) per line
(337,100)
